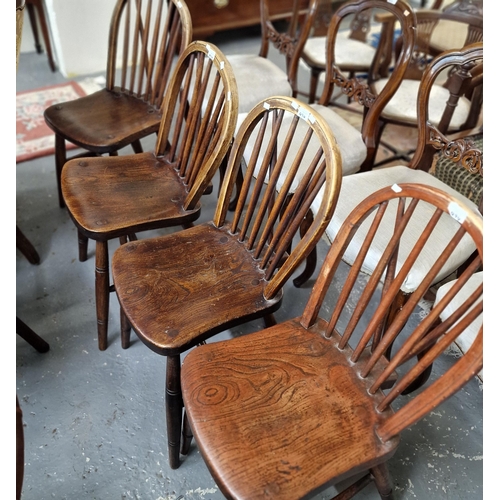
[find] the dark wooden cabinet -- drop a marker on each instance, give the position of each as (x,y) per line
(210,16)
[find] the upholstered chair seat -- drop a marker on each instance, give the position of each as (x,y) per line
(467,337)
(357,187)
(403,105)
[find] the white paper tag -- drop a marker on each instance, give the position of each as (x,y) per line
(457,212)
(211,52)
(229,96)
(396,188)
(222,65)
(302,113)
(267,105)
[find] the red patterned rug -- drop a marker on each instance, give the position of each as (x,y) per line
(33,137)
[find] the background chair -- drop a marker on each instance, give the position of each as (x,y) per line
(117,197)
(466,89)
(287,411)
(354,48)
(181,289)
(144,40)
(462,153)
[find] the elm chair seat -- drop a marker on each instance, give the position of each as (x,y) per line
(98,130)
(287,412)
(118,196)
(145,39)
(179,290)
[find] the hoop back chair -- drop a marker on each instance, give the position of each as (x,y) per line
(145,39)
(463,153)
(290,410)
(116,197)
(465,88)
(179,290)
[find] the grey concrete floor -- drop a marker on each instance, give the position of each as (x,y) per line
(94,422)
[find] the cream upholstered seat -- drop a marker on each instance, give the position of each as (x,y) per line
(467,337)
(357,187)
(403,105)
(357,147)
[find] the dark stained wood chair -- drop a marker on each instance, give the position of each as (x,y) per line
(118,196)
(463,153)
(144,40)
(465,88)
(290,410)
(183,288)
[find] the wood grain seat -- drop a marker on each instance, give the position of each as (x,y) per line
(100,122)
(143,177)
(119,196)
(145,40)
(169,306)
(258,388)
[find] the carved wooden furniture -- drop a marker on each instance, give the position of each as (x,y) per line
(465,88)
(36,9)
(285,412)
(257,76)
(117,197)
(183,288)
(141,54)
(218,15)
(352,52)
(462,152)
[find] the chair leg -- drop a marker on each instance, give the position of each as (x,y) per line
(312,258)
(173,403)
(102,292)
(60,154)
(25,332)
(137,146)
(383,481)
(19,450)
(125,329)
(83,245)
(187,435)
(313,85)
(26,247)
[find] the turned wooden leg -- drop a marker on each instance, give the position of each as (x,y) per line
(173,402)
(102,292)
(312,258)
(383,481)
(83,246)
(26,247)
(25,332)
(125,329)
(60,154)
(187,435)
(313,85)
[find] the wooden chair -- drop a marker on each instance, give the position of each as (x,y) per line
(144,40)
(36,10)
(231,270)
(358,147)
(463,153)
(353,52)
(285,412)
(465,88)
(117,197)
(256,75)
